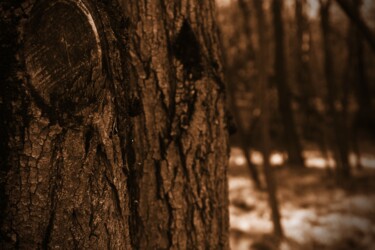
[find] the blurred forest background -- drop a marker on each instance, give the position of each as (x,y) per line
(301,76)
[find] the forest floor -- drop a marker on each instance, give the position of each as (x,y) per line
(317,212)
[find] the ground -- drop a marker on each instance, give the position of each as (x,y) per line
(317,212)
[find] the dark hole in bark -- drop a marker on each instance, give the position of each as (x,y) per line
(187,50)
(88,136)
(135,107)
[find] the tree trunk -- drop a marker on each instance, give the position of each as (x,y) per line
(339,132)
(113,126)
(302,67)
(365,117)
(261,63)
(356,73)
(246,15)
(290,132)
(245,143)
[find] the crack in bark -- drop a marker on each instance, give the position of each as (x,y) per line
(54,182)
(113,187)
(159,180)
(108,236)
(49,229)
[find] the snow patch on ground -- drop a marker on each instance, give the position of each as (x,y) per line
(316,213)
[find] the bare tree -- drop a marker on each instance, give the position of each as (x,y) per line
(339,129)
(291,140)
(355,79)
(261,63)
(302,67)
(244,140)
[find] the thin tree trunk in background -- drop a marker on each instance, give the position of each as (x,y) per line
(291,140)
(365,116)
(262,59)
(339,128)
(303,51)
(363,89)
(358,82)
(113,130)
(319,116)
(246,15)
(245,145)
(302,67)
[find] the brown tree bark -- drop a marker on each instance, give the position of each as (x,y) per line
(292,142)
(113,126)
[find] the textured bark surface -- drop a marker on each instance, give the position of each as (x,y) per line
(113,126)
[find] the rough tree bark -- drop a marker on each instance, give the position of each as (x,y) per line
(292,142)
(113,130)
